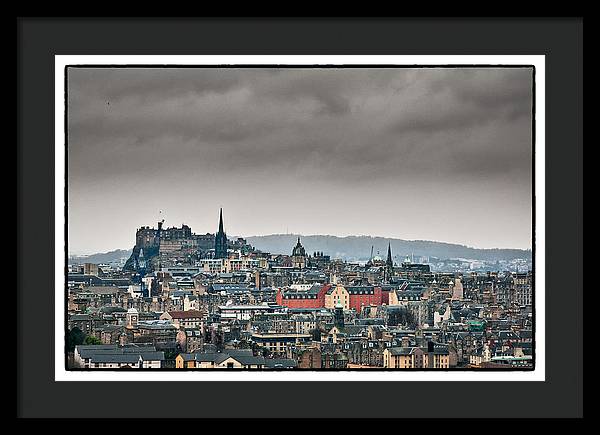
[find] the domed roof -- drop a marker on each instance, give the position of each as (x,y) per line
(299,250)
(132,311)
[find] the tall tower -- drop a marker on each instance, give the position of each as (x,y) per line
(389,262)
(221,239)
(389,265)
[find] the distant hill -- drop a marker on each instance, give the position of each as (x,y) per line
(357,248)
(351,248)
(105,257)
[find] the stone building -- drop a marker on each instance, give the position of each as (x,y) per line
(299,256)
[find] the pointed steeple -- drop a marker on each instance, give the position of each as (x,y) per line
(221,239)
(389,265)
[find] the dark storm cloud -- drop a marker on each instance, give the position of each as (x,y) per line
(464,98)
(149,84)
(161,129)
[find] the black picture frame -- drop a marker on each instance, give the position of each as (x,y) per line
(560,40)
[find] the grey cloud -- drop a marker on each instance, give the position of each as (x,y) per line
(499,87)
(296,134)
(461,98)
(150,84)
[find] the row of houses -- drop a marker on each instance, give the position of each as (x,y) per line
(231,359)
(350,297)
(112,356)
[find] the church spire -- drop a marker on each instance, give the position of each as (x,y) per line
(221,239)
(389,265)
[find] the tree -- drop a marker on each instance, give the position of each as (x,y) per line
(171,354)
(75,338)
(90,339)
(402,317)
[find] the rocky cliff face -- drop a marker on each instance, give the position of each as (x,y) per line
(150,257)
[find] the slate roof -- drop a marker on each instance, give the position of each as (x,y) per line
(191,314)
(353,329)
(370,321)
(230,288)
(437,350)
(116,358)
(363,289)
(311,293)
(507,335)
(243,356)
(526,333)
(401,350)
(249,360)
(155,324)
(79,317)
(412,294)
(107,353)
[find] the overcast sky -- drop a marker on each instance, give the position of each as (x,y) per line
(432,154)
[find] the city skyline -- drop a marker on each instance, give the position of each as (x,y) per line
(183,166)
(414,154)
(232,236)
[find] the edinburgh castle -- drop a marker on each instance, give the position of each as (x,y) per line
(156,247)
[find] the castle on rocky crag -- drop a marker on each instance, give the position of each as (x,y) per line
(156,247)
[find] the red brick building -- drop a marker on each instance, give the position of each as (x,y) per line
(363,296)
(311,298)
(357,296)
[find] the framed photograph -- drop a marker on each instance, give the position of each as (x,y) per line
(311,220)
